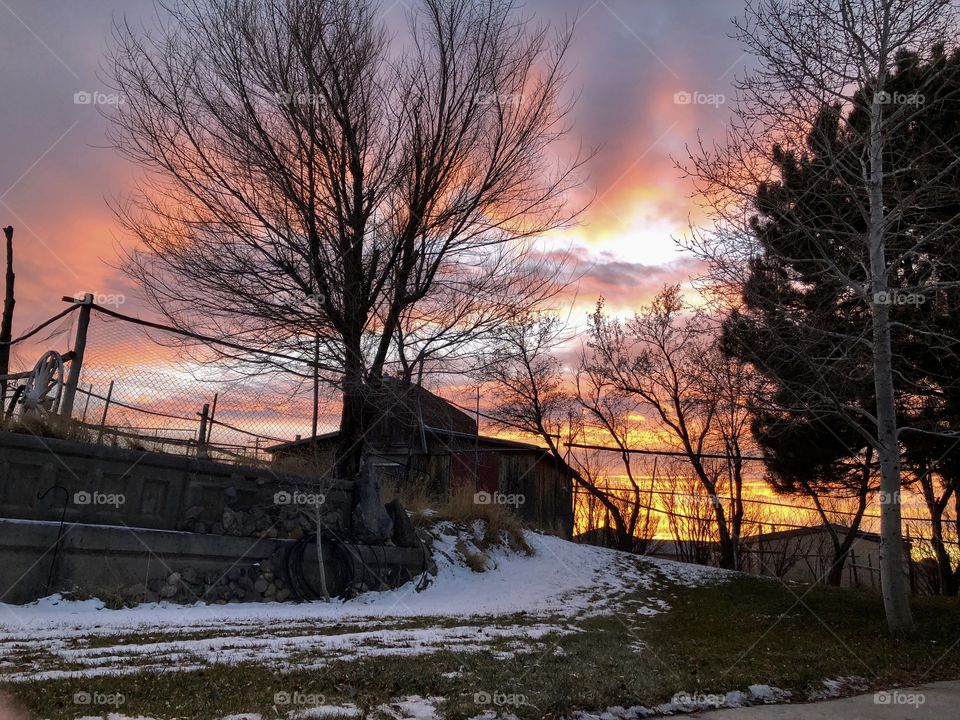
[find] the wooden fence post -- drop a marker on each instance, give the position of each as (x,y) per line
(202,436)
(6,323)
(210,419)
(79,347)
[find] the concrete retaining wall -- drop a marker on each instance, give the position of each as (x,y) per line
(123,565)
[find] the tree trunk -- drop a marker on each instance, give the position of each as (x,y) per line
(351,440)
(948,580)
(935,508)
(728,554)
(840,551)
(370,520)
(894,575)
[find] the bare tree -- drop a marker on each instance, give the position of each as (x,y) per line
(312,186)
(823,99)
(531,393)
(850,507)
(661,365)
(670,364)
(689,518)
(611,415)
(938,487)
(627,481)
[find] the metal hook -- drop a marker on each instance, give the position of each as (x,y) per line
(63,514)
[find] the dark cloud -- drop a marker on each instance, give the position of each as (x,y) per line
(626,286)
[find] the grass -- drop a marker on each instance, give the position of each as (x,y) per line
(415,497)
(713,639)
(733,634)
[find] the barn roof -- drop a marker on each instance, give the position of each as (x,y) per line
(812,530)
(405,405)
(482,440)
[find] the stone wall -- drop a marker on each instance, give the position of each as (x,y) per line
(123,565)
(142,526)
(114,486)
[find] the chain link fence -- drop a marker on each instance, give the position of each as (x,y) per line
(158,389)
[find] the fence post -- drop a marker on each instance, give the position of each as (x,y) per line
(79,346)
(6,324)
(86,404)
(210,419)
(103,418)
(202,437)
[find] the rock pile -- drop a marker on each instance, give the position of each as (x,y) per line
(285,517)
(264,581)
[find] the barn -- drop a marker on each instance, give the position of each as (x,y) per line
(418,437)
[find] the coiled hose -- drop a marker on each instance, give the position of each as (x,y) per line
(346,558)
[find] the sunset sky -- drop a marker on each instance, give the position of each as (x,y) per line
(635,65)
(630,59)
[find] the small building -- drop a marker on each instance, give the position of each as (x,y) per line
(807,554)
(419,438)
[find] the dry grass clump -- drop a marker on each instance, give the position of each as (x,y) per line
(416,499)
(476,560)
(47,426)
(499,522)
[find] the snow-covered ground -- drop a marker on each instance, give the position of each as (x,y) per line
(520,604)
(560,583)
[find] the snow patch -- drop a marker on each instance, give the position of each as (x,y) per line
(843,685)
(412,707)
(562,581)
(683,703)
(325,711)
